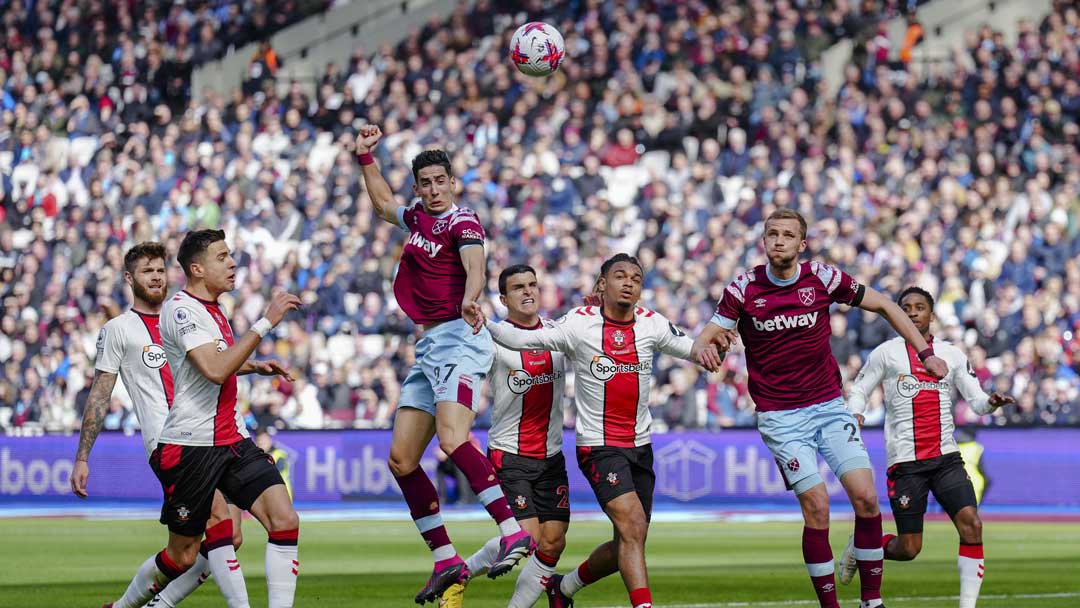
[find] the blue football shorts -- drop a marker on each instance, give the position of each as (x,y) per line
(451,363)
(796,437)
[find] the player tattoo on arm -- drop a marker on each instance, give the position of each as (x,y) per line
(97,405)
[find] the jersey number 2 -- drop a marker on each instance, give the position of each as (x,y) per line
(852,429)
(564,500)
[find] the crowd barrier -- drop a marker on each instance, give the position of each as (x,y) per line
(1023,467)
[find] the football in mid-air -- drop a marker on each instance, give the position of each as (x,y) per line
(537,49)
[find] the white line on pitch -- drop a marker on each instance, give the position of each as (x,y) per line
(923,598)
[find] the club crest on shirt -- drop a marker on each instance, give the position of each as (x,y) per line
(806,295)
(618,337)
(439,227)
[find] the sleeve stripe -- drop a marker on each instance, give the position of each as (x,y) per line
(723,321)
(835,281)
(734,291)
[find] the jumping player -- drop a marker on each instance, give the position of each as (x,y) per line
(440,276)
(922,455)
(781,310)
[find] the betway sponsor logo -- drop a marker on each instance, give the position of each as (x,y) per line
(520,381)
(604,368)
(908,386)
(432,249)
(782,322)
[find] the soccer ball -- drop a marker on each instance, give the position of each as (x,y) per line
(537,49)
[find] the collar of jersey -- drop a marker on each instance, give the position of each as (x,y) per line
(780,282)
(452,209)
(616,321)
(193,296)
(538,325)
(147,314)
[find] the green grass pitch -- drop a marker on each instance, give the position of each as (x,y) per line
(67,563)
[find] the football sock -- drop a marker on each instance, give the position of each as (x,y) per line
(532,581)
(885,539)
(481,561)
(224,565)
(282,567)
(154,574)
(971,565)
(184,585)
(869,555)
(641,598)
(423,501)
(819,563)
(577,579)
(481,475)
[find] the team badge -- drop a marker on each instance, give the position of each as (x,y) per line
(439,227)
(613,478)
(793,465)
(806,295)
(520,502)
(904,501)
(182,513)
(618,337)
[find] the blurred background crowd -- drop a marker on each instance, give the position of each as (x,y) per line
(671,131)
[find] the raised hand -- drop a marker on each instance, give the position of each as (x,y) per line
(281,304)
(368,137)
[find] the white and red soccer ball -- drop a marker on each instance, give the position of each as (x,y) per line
(537,49)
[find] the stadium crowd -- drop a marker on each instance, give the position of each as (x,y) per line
(668,132)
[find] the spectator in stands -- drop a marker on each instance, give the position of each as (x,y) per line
(672,133)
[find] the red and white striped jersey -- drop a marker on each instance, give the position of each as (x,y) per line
(203,413)
(528,387)
(130,345)
(918,407)
(612,367)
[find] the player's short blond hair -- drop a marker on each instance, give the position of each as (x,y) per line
(788,214)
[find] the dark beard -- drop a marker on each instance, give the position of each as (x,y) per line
(145,296)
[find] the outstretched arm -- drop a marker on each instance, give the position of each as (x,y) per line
(377,188)
(972,392)
(97,405)
(874,301)
(555,338)
(870,376)
(472,259)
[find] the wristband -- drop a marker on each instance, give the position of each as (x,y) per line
(926,354)
(262,327)
(365,158)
